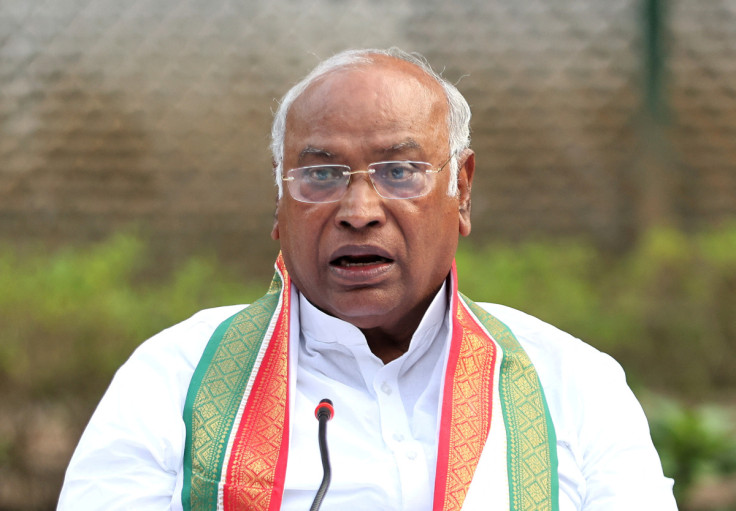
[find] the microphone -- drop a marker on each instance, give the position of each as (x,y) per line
(323,412)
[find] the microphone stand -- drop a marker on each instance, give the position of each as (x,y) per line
(324,413)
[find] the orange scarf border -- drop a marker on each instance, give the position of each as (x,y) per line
(257,455)
(466,406)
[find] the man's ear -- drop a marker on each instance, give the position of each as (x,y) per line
(275,230)
(464,184)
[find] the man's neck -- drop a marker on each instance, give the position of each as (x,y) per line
(385,347)
(389,342)
(389,345)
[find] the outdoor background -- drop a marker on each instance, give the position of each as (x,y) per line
(136,188)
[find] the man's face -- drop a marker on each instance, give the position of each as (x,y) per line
(373,262)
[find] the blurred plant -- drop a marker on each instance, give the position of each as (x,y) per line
(70,318)
(693,442)
(666,310)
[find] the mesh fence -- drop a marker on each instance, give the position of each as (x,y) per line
(156,112)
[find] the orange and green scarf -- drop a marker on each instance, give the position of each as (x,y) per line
(237,414)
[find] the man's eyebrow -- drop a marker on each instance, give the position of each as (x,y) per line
(409,143)
(315,151)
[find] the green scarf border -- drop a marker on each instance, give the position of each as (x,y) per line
(531,439)
(227,363)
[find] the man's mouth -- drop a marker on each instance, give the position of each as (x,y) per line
(358,261)
(361,265)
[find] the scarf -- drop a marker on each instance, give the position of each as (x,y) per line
(237,413)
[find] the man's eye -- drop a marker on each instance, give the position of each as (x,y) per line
(322,174)
(397,172)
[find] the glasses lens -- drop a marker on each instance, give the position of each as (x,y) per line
(401,179)
(319,183)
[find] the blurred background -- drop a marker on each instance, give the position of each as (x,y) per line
(136,189)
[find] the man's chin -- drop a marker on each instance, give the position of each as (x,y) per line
(363,308)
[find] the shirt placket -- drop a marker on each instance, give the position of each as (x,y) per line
(407,452)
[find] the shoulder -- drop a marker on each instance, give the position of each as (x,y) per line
(186,340)
(572,372)
(165,362)
(551,350)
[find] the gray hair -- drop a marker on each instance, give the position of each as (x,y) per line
(458,117)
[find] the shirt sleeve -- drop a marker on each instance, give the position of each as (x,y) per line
(621,467)
(130,453)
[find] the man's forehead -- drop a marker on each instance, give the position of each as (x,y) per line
(389,104)
(370,79)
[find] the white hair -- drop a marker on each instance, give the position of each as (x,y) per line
(458,116)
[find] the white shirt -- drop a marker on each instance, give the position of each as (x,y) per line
(386,416)
(383,438)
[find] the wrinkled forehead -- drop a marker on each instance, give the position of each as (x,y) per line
(378,98)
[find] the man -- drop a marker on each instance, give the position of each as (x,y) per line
(440,403)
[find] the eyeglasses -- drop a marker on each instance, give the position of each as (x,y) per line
(391,180)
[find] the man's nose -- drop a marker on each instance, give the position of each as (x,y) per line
(361,206)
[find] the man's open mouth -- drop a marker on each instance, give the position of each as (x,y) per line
(353,261)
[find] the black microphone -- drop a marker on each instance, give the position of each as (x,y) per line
(323,412)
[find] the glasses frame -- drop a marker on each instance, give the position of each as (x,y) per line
(370,171)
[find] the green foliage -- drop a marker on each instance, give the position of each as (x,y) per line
(557,282)
(693,442)
(72,317)
(666,310)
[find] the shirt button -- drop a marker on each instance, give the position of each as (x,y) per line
(398,437)
(412,455)
(386,388)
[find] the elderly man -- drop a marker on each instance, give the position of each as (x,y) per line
(441,403)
